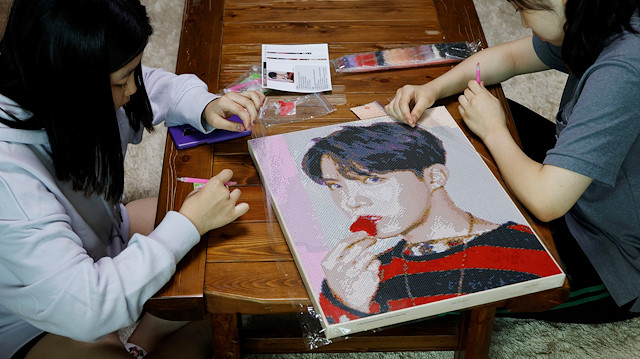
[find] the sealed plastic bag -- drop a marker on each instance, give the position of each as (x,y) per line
(250,80)
(423,55)
(293,108)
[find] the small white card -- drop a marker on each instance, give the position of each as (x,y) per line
(296,68)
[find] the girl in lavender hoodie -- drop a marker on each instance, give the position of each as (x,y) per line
(75,264)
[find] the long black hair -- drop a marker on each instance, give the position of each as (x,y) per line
(589,24)
(56,58)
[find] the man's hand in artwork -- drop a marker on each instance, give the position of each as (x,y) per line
(351,269)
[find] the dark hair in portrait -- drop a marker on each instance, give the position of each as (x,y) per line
(377,149)
(56,58)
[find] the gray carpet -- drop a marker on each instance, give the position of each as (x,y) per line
(512,338)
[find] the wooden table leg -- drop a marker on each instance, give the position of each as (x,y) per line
(475,335)
(226,343)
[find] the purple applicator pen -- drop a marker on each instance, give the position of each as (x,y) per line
(478,73)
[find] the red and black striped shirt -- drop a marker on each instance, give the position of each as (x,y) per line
(509,254)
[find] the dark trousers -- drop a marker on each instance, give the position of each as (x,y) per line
(589,301)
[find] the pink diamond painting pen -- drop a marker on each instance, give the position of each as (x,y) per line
(201,181)
(478,73)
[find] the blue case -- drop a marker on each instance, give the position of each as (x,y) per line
(186,136)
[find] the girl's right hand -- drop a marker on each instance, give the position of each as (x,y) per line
(212,206)
(246,105)
(422,97)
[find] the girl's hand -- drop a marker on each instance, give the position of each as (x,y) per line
(212,206)
(351,269)
(422,97)
(481,111)
(246,105)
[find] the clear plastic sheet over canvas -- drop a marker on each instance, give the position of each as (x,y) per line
(309,317)
(306,316)
(286,109)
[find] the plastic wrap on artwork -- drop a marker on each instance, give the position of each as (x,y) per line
(369,293)
(423,55)
(293,108)
(250,80)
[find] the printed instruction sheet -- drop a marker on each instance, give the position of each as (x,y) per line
(296,68)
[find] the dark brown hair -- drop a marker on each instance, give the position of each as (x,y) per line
(589,24)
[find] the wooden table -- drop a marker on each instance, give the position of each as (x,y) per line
(246,267)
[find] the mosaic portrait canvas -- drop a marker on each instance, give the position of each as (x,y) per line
(389,223)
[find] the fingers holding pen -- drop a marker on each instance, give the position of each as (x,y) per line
(213,205)
(480,110)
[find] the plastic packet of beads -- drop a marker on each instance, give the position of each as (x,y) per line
(423,55)
(293,108)
(250,80)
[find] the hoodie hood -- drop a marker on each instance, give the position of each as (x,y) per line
(8,134)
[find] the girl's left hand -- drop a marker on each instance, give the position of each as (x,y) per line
(246,105)
(481,111)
